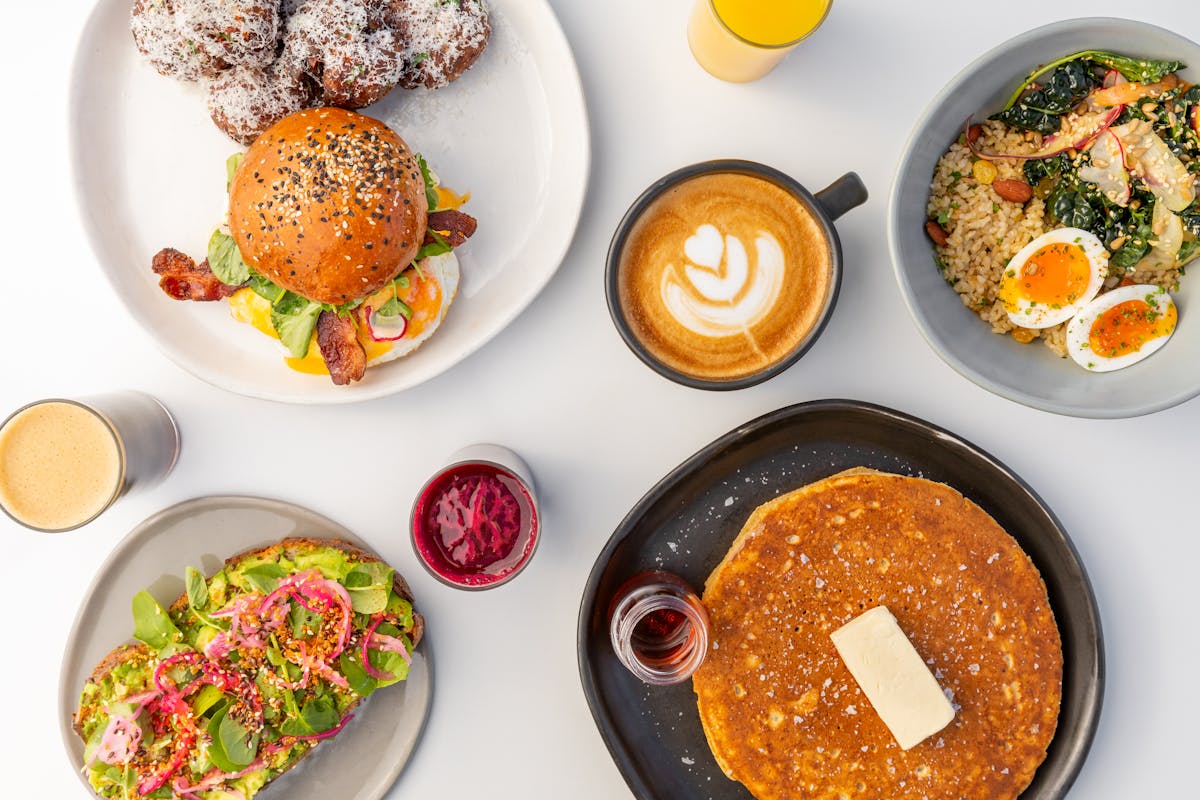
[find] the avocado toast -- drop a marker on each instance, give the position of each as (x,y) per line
(246,672)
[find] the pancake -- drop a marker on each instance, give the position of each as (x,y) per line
(782,713)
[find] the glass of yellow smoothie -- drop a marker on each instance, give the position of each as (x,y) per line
(64,462)
(743,40)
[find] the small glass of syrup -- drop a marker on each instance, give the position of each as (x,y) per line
(658,627)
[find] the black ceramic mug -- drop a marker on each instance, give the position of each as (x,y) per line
(701,288)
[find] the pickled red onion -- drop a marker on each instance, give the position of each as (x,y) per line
(120,740)
(380,641)
(311,585)
(179,714)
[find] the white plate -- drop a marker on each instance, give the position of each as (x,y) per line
(150,173)
(361,762)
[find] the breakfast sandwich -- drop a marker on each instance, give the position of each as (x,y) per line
(919,567)
(340,244)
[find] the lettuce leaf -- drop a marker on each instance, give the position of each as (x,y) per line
(151,623)
(225,260)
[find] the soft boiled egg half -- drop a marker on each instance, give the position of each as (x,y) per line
(1053,277)
(1121,327)
(432,285)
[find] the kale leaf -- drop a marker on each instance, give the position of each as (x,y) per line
(1042,109)
(1191,218)
(1142,70)
(1037,168)
(1136,245)
(1069,204)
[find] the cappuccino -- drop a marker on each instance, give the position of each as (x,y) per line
(724,275)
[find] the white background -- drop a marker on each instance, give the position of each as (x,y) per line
(509,718)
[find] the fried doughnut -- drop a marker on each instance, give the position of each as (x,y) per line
(441,39)
(234,32)
(347,46)
(158,38)
(246,101)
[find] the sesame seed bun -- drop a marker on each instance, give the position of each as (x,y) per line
(329,204)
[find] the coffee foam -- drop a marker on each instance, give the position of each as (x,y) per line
(723,275)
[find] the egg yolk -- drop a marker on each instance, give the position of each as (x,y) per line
(1055,275)
(450,199)
(1127,326)
(424,297)
(247,306)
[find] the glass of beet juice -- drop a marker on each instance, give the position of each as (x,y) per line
(475,523)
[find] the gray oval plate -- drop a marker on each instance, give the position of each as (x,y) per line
(364,760)
(686,522)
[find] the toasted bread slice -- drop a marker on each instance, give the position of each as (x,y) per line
(122,654)
(289,548)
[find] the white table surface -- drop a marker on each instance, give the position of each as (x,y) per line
(509,718)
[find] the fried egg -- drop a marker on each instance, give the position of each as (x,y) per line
(1053,277)
(431,290)
(1121,327)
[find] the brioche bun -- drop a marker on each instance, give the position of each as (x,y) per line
(328,204)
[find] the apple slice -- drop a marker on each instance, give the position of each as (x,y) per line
(1168,238)
(1155,165)
(1107,169)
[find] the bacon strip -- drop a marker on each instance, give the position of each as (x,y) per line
(343,354)
(183,279)
(452,225)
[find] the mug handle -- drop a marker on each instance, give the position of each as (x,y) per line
(845,193)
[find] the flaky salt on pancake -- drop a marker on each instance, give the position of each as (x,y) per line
(782,712)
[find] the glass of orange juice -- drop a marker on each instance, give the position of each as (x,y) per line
(64,462)
(743,40)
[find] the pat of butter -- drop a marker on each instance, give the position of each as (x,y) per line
(892,675)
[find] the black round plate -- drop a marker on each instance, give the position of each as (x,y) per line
(686,523)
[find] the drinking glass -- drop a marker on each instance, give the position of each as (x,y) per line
(743,40)
(63,462)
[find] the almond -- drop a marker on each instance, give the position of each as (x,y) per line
(1013,190)
(974,132)
(937,233)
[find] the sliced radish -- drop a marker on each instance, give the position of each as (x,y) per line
(1153,162)
(1107,169)
(1077,132)
(384,329)
(1113,78)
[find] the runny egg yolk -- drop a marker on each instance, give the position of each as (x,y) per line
(424,297)
(1055,275)
(247,306)
(1127,326)
(450,199)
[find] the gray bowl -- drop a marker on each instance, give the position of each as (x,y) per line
(1031,374)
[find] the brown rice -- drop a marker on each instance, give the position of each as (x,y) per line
(984,231)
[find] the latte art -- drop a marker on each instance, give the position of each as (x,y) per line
(723,275)
(724,293)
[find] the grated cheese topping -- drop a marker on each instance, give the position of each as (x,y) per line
(439,34)
(264,59)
